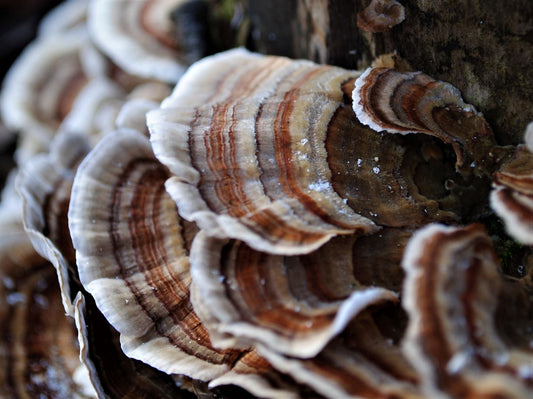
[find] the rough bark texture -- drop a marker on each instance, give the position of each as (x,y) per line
(482,47)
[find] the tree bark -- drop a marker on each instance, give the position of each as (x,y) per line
(482,47)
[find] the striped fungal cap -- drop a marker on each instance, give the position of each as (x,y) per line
(267,150)
(263,225)
(41,87)
(132,254)
(38,344)
(413,102)
(293,305)
(138,36)
(512,196)
(381,15)
(44,184)
(452,293)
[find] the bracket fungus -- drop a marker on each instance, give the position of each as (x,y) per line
(41,86)
(451,294)
(138,36)
(292,305)
(413,102)
(270,225)
(44,184)
(512,196)
(381,15)
(131,250)
(267,150)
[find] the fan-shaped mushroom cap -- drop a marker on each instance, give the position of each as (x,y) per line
(95,109)
(413,102)
(451,294)
(362,362)
(268,151)
(381,15)
(38,346)
(141,100)
(131,250)
(512,196)
(138,36)
(244,134)
(44,183)
(111,372)
(293,305)
(42,84)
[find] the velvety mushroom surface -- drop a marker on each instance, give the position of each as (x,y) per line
(381,15)
(132,254)
(269,228)
(138,36)
(267,150)
(451,294)
(242,169)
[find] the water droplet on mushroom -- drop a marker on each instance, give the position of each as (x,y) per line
(15,297)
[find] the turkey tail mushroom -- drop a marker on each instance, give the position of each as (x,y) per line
(292,305)
(267,150)
(138,36)
(132,255)
(41,86)
(381,15)
(413,102)
(451,294)
(512,194)
(44,184)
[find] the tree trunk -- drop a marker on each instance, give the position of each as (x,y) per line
(482,47)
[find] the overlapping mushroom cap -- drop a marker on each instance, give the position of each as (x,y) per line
(42,85)
(293,305)
(512,197)
(452,291)
(45,184)
(381,15)
(138,36)
(132,256)
(413,102)
(244,135)
(267,150)
(261,246)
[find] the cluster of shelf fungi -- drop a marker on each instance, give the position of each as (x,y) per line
(243,224)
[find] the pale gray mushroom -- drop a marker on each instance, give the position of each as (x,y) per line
(138,36)
(66,16)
